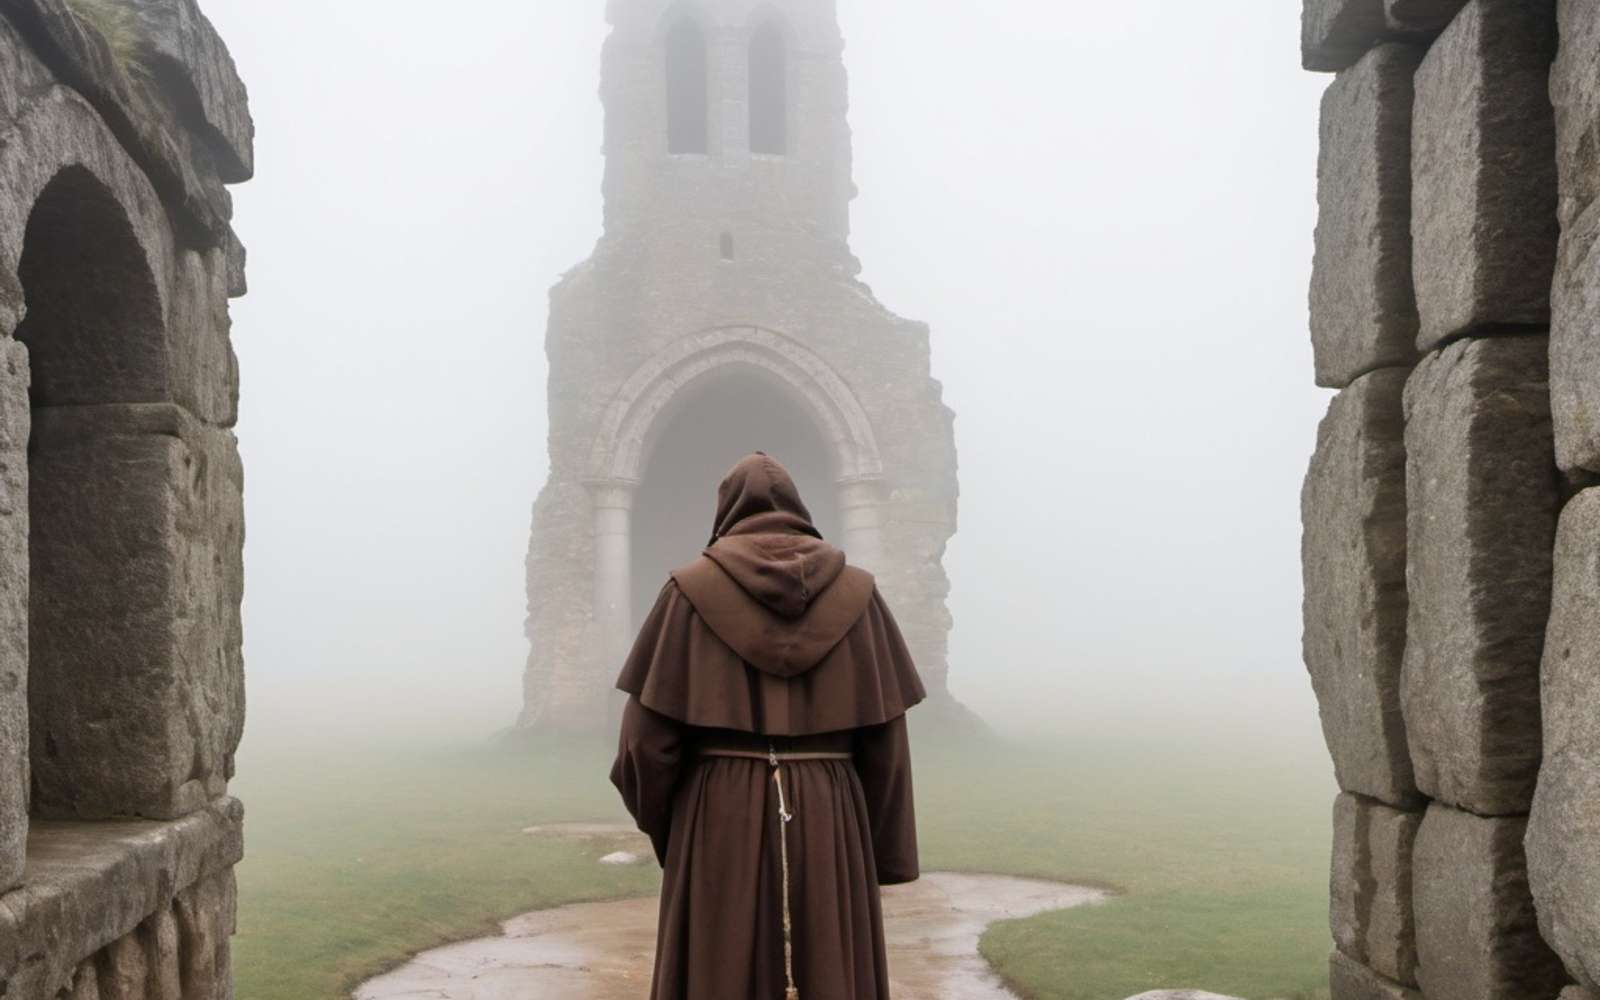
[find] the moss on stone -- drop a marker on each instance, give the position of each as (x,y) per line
(117,21)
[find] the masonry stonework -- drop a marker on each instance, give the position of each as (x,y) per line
(723,296)
(1466,857)
(121,512)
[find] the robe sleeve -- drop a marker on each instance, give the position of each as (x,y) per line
(650,755)
(883,761)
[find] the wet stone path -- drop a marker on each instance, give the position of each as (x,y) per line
(603,951)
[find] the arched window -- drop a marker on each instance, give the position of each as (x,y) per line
(688,129)
(769,91)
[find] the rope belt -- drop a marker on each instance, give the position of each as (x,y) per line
(772,757)
(776,761)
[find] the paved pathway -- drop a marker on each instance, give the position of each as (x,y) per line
(602,951)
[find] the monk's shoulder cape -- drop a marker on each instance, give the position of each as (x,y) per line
(705,659)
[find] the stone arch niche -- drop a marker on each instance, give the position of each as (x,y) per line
(773,385)
(97,504)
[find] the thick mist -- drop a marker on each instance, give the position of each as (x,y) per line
(1104,213)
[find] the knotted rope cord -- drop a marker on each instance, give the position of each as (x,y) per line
(784,816)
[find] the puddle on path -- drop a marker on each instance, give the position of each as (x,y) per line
(603,951)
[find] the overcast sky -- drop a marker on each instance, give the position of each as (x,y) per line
(1103,211)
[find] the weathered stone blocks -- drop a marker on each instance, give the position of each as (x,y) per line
(120,513)
(1371,879)
(99,890)
(1421,17)
(1483,172)
(1482,494)
(1354,561)
(1336,33)
(1363,308)
(180,160)
(177,32)
(1564,831)
(205,916)
(1350,980)
(1477,935)
(1575,306)
(1575,345)
(162,943)
(123,969)
(1575,94)
(85,983)
(136,685)
(15,423)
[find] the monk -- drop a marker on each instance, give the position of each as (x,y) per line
(764,752)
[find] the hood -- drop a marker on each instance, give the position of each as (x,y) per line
(768,585)
(764,540)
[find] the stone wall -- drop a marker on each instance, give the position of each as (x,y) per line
(121,515)
(1445,616)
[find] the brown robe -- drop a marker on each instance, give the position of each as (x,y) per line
(770,641)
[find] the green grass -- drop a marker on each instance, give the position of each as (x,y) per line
(357,860)
(1257,944)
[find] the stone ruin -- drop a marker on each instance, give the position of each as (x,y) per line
(720,314)
(121,524)
(1452,523)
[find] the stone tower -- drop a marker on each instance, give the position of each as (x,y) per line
(720,313)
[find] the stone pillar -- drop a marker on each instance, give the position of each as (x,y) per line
(861,517)
(14,429)
(613,574)
(730,92)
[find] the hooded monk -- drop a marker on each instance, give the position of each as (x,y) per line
(764,752)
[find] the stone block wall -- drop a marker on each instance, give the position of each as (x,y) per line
(1446,619)
(121,510)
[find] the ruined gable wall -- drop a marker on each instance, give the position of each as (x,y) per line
(662,275)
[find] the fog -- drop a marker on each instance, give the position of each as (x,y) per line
(1103,211)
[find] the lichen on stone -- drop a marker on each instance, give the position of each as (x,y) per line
(117,21)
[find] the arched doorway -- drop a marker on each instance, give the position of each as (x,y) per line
(692,410)
(711,424)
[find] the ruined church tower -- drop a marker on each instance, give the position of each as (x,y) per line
(720,314)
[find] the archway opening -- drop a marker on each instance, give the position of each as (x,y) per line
(93,326)
(720,420)
(97,500)
(688,99)
(769,91)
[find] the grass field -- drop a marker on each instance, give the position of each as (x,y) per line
(359,859)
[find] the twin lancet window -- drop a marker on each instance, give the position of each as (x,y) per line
(688,90)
